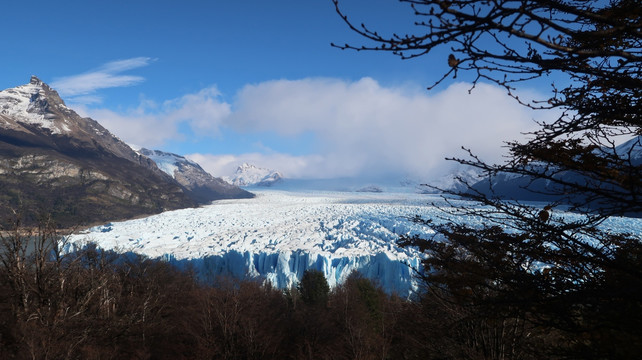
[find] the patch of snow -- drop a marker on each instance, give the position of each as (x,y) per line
(19,103)
(167,162)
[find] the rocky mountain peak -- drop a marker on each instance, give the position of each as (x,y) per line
(35,81)
(51,158)
(33,105)
(248,174)
(36,114)
(45,92)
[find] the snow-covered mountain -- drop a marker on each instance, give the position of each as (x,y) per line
(631,151)
(35,115)
(200,184)
(56,162)
(247,175)
(520,187)
(451,182)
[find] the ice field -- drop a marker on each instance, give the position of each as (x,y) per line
(279,234)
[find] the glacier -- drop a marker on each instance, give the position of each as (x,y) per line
(279,234)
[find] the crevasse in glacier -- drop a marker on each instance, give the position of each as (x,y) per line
(278,235)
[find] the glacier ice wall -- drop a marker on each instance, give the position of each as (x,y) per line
(278,235)
(285,269)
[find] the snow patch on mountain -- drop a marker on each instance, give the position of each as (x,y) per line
(631,150)
(169,163)
(247,175)
(27,104)
(201,185)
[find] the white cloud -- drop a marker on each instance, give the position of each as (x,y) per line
(126,64)
(151,124)
(361,128)
(135,126)
(292,166)
(106,76)
(203,111)
(365,128)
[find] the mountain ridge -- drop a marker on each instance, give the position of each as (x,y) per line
(524,188)
(199,183)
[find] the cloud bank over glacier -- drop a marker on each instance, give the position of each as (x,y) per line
(351,128)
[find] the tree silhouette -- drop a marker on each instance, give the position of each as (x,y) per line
(567,277)
(314,288)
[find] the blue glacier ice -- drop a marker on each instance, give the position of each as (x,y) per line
(278,235)
(284,269)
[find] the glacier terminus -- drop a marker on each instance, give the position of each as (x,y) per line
(279,234)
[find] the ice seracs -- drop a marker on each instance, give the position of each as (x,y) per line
(278,235)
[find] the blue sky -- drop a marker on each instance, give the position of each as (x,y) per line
(226,82)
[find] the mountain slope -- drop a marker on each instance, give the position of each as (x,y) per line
(52,161)
(200,185)
(516,187)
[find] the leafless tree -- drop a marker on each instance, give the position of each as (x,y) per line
(562,273)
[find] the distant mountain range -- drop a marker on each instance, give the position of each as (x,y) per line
(54,162)
(519,187)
